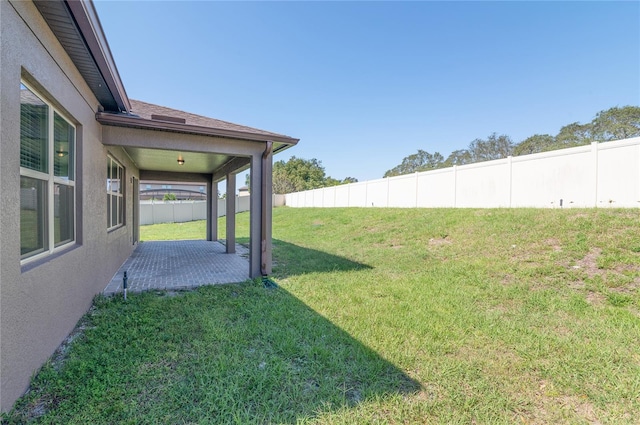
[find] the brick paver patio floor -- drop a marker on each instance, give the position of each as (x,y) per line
(180,265)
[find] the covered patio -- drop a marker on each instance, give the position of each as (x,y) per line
(175,146)
(178,265)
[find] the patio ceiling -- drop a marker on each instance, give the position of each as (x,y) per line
(167,160)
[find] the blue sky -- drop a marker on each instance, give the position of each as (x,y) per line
(364,84)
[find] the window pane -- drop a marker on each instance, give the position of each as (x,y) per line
(33,213)
(33,131)
(120,210)
(114,210)
(115,181)
(63,203)
(108,210)
(64,136)
(108,174)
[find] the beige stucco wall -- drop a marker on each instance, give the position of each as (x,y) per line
(41,303)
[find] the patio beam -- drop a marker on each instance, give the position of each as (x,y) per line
(232,166)
(174,177)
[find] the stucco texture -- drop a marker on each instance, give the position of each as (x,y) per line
(41,302)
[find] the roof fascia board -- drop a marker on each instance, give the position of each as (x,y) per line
(86,17)
(129,121)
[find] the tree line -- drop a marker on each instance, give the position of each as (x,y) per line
(298,174)
(612,124)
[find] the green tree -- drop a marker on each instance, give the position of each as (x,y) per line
(348,180)
(534,144)
(612,124)
(330,181)
(169,197)
(574,134)
(420,161)
(494,147)
(297,174)
(616,124)
(458,157)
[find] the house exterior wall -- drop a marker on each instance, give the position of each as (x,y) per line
(41,301)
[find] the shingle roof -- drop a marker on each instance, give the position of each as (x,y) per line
(161,113)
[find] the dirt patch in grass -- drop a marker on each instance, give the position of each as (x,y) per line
(578,284)
(507,279)
(393,244)
(554,244)
(595,298)
(577,216)
(618,278)
(551,406)
(590,263)
(440,241)
(629,289)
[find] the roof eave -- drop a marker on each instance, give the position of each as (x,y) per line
(122,120)
(86,17)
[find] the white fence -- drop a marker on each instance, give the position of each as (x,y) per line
(153,212)
(598,175)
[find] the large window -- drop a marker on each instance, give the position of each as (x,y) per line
(115,198)
(47,181)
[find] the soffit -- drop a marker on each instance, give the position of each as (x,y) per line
(65,27)
(167,160)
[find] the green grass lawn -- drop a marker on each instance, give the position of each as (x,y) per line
(381,316)
(194,230)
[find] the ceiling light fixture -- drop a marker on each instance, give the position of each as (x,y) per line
(180,161)
(61,153)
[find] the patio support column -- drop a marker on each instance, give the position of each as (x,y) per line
(261,204)
(212,210)
(255,216)
(231,213)
(267,173)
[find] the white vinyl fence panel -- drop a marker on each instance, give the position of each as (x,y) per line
(598,175)
(183,211)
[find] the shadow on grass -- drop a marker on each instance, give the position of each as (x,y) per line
(219,354)
(291,260)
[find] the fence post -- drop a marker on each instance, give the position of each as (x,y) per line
(366,193)
(455,186)
(416,194)
(594,153)
(510,159)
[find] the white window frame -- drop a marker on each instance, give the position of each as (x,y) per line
(51,180)
(118,194)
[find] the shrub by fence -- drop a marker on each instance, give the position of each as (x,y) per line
(597,175)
